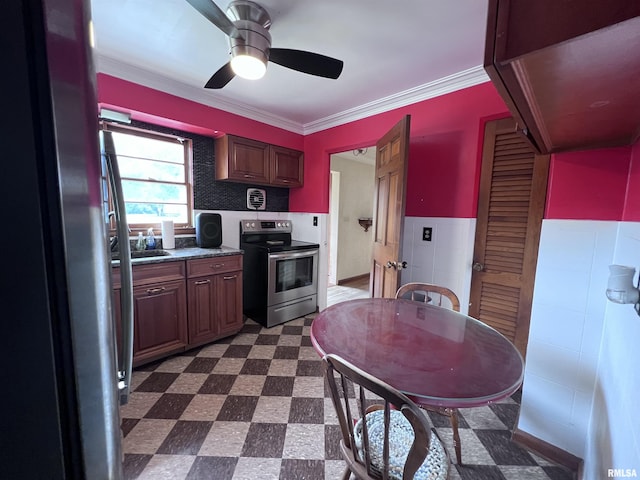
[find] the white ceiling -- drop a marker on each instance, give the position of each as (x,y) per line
(394,52)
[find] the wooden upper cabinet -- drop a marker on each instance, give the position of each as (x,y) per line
(250,161)
(568,71)
(286,167)
(242,160)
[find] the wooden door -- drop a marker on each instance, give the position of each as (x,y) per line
(392,152)
(513,187)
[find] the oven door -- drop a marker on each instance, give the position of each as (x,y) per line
(292,275)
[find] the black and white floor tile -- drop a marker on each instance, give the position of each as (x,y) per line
(253,406)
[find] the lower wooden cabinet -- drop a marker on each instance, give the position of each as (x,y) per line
(178,305)
(229,291)
(160,320)
(215,298)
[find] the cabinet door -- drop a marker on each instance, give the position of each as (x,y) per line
(203,325)
(215,307)
(286,167)
(229,302)
(160,319)
(561,70)
(242,160)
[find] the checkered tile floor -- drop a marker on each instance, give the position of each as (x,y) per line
(254,406)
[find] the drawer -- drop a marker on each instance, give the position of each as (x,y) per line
(210,266)
(152,273)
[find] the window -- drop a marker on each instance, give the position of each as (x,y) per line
(156,176)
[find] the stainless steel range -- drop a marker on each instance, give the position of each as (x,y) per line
(280,275)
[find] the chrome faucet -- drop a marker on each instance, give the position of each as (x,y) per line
(113,243)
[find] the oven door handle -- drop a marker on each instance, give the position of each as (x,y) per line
(287,255)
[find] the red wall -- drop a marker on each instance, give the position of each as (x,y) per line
(588,185)
(444,153)
(632,202)
(154,106)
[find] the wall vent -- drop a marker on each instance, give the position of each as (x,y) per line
(256,199)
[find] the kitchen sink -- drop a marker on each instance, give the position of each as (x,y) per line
(142,254)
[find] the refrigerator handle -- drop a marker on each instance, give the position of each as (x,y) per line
(125,357)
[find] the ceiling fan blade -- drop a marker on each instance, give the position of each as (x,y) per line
(307,62)
(212,12)
(221,77)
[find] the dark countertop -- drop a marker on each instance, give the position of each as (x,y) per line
(178,254)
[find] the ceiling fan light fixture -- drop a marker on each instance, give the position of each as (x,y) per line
(248,66)
(247,26)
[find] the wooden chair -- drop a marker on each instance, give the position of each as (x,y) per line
(428,293)
(433,294)
(395,441)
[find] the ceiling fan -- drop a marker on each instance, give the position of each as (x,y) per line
(247,25)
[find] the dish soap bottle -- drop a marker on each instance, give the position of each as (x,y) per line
(151,240)
(140,244)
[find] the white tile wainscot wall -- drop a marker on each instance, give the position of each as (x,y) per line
(614,436)
(582,376)
(567,322)
(445,260)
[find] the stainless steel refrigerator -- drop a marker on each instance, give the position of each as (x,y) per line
(61,367)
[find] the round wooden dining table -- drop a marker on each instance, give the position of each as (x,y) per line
(436,356)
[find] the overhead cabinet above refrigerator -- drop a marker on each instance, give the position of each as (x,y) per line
(568,71)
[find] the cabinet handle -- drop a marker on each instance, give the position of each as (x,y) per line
(230,278)
(246,175)
(202,282)
(152,291)
(217,265)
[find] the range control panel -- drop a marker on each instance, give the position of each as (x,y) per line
(265,226)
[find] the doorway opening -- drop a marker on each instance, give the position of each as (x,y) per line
(351,195)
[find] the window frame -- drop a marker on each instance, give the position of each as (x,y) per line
(187,143)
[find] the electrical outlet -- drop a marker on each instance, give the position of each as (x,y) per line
(426,233)
(315,221)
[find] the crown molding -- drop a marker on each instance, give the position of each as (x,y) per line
(141,76)
(458,81)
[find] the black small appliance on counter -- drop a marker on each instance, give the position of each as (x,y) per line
(208,230)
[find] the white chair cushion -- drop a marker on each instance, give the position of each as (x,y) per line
(435,465)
